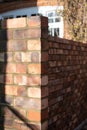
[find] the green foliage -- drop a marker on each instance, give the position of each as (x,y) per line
(75,13)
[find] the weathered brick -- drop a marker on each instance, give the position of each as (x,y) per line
(6,34)
(33,22)
(44,103)
(34,44)
(21,68)
(11,68)
(35,57)
(10,90)
(16,45)
(22,91)
(8,57)
(34,81)
(34,115)
(44,114)
(44,125)
(9,99)
(28,103)
(34,69)
(20,79)
(17,57)
(27,33)
(14,23)
(44,56)
(8,79)
(44,80)
(34,92)
(44,91)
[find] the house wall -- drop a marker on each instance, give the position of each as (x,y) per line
(42,79)
(23,4)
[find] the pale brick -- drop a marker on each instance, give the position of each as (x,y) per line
(34,68)
(10,90)
(14,23)
(34,115)
(20,80)
(34,44)
(34,92)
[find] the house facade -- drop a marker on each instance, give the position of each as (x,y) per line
(48,8)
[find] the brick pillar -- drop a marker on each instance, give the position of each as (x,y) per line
(23,73)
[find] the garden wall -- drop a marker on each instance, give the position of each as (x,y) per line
(42,79)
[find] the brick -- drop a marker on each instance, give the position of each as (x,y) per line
(34,92)
(2,78)
(20,79)
(44,67)
(35,57)
(44,114)
(11,68)
(7,112)
(8,122)
(27,33)
(44,56)
(44,103)
(9,79)
(27,103)
(2,57)
(16,45)
(17,57)
(44,91)
(44,125)
(21,68)
(34,81)
(44,80)
(6,34)
(9,99)
(44,44)
(34,44)
(26,127)
(14,23)
(34,69)
(10,90)
(22,91)
(9,57)
(34,115)
(33,21)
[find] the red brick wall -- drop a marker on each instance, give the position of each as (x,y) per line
(42,79)
(23,78)
(67,84)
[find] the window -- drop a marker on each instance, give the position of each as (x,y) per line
(55,24)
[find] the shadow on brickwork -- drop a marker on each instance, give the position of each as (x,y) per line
(6,119)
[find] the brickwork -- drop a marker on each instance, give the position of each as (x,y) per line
(42,79)
(67,84)
(23,78)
